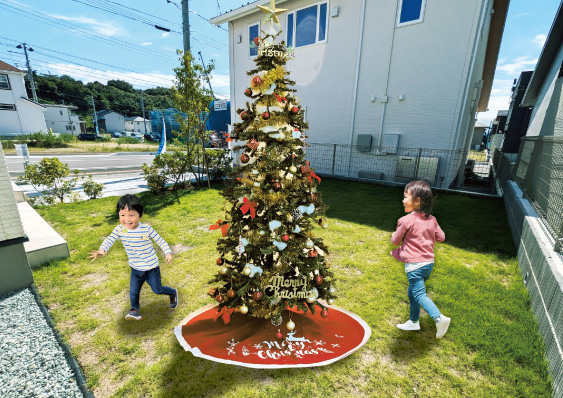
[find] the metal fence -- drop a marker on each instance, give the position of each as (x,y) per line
(444,169)
(539,172)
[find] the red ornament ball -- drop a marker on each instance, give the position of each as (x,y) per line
(285,238)
(313,197)
(279,335)
(295,110)
(324,313)
(256,80)
(257,296)
(244,158)
(266,115)
(248,92)
(318,280)
(243,115)
(219,261)
(231,293)
(277,186)
(219,298)
(256,40)
(313,253)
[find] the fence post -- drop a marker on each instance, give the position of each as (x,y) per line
(333,157)
(417,163)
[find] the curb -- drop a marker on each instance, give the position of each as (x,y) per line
(80,379)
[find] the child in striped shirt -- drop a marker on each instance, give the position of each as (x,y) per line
(136,239)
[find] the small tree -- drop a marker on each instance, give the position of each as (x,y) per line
(92,189)
(193,98)
(167,168)
(51,177)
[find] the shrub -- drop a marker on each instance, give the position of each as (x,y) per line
(167,169)
(51,177)
(46,140)
(92,189)
(7,144)
(218,162)
(127,140)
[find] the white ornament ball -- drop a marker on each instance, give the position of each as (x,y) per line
(257,184)
(243,309)
(331,290)
(324,224)
(309,244)
(262,232)
(311,299)
(246,271)
(292,169)
(223,270)
(313,190)
(330,301)
(290,325)
(296,100)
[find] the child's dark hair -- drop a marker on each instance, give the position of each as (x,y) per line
(131,202)
(422,190)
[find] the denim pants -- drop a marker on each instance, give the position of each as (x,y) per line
(417,293)
(152,276)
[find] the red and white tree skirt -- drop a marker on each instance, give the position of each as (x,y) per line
(256,343)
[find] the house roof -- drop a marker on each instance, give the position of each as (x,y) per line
(547,56)
(60,106)
(34,103)
(105,112)
(8,67)
(242,11)
(135,119)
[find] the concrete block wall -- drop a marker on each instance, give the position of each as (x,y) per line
(542,272)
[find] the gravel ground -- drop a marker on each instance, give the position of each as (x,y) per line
(32,363)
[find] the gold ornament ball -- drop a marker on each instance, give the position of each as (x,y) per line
(243,309)
(246,271)
(330,301)
(290,325)
(296,100)
(309,244)
(292,169)
(223,270)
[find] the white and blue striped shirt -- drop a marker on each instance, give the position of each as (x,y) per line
(138,245)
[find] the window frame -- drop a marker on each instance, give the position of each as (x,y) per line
(294,29)
(7,81)
(8,107)
(400,24)
(250,56)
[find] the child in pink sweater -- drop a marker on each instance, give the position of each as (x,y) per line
(418,231)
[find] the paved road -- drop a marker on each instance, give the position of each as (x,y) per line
(87,163)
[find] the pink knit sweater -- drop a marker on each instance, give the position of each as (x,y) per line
(418,235)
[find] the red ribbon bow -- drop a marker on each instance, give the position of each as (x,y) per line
(306,170)
(220,224)
(248,205)
(225,313)
(280,99)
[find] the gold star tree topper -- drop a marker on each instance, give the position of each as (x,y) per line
(272,12)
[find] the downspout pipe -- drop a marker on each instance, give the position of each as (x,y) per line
(356,83)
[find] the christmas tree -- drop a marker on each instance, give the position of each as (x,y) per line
(270,259)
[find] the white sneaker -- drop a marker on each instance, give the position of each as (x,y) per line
(409,325)
(442,326)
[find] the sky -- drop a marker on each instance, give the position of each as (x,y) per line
(101,40)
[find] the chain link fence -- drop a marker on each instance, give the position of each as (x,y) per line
(443,169)
(539,172)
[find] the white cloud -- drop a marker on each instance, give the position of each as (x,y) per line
(496,103)
(108,28)
(540,40)
(518,65)
(146,43)
(165,34)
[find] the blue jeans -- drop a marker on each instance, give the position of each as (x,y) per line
(417,293)
(152,277)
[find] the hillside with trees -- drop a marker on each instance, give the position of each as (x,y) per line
(116,95)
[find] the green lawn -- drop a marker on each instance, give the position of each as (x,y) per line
(492,348)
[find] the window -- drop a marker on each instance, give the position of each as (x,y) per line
(307,26)
(7,107)
(410,12)
(253,32)
(4,82)
(61,112)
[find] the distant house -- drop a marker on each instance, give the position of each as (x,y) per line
(18,114)
(408,74)
(60,119)
(478,132)
(110,121)
(138,124)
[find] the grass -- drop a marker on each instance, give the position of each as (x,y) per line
(492,349)
(89,146)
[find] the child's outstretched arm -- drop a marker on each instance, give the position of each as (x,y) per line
(96,253)
(399,233)
(106,245)
(161,243)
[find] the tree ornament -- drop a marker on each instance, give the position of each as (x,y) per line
(313,253)
(257,296)
(219,298)
(219,261)
(243,115)
(313,197)
(290,325)
(331,291)
(254,172)
(253,144)
(243,309)
(223,270)
(246,271)
(244,158)
(327,265)
(309,244)
(292,169)
(330,301)
(231,293)
(324,313)
(277,186)
(262,232)
(323,222)
(256,184)
(285,238)
(248,92)
(311,299)
(279,335)
(296,214)
(212,291)
(257,80)
(266,115)
(295,110)
(318,280)
(296,100)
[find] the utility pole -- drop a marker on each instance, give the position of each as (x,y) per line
(95,116)
(29,71)
(186,25)
(206,75)
(143,108)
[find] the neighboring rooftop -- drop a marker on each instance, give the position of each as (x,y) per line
(8,67)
